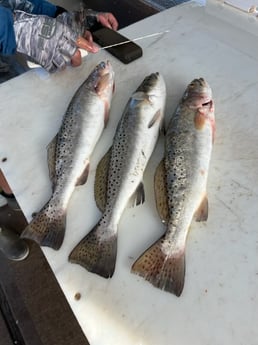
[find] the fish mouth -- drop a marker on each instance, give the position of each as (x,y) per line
(104,67)
(102,76)
(198,93)
(201,87)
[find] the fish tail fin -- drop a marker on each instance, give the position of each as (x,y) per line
(47,228)
(96,253)
(164,271)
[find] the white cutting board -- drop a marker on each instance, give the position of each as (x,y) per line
(219,302)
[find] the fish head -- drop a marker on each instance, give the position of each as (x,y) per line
(102,84)
(151,94)
(197,94)
(153,86)
(198,97)
(102,79)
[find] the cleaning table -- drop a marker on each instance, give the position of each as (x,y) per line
(220,299)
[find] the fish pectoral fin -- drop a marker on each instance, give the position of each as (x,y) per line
(84,176)
(161,192)
(139,96)
(95,254)
(166,272)
(102,84)
(162,128)
(106,114)
(138,196)
(155,118)
(51,159)
(101,178)
(201,215)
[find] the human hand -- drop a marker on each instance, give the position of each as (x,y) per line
(108,20)
(49,41)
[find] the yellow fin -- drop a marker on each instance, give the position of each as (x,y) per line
(161,192)
(100,184)
(51,159)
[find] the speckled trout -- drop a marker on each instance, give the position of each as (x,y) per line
(70,151)
(180,186)
(119,174)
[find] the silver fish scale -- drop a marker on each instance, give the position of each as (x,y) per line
(69,153)
(80,128)
(67,140)
(123,145)
(183,144)
(133,143)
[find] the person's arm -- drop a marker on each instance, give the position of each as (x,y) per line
(7,36)
(33,6)
(48,41)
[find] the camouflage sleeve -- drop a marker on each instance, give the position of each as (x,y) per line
(7,37)
(46,41)
(22,5)
(31,6)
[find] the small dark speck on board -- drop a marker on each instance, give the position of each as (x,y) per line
(4,159)
(77,296)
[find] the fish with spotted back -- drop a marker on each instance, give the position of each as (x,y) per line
(180,187)
(70,151)
(119,175)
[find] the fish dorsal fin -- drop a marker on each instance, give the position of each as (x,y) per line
(161,191)
(84,176)
(155,118)
(51,160)
(201,215)
(138,196)
(101,178)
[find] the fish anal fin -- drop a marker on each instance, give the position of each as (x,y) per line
(164,271)
(51,159)
(201,215)
(96,254)
(155,118)
(161,191)
(47,230)
(100,183)
(84,176)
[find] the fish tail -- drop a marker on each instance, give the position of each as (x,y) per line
(164,271)
(47,228)
(95,253)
